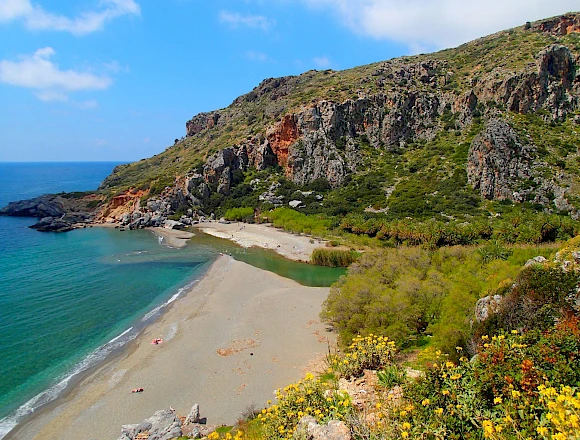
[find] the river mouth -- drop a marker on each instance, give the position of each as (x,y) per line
(266,259)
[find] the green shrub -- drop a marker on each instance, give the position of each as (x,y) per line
(333,257)
(240,214)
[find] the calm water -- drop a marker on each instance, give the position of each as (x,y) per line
(68,300)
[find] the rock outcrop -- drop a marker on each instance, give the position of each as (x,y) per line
(309,429)
(167,425)
(497,161)
(57,212)
(324,139)
(48,205)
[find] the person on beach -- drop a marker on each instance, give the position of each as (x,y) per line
(137,390)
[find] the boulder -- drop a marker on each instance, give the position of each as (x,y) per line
(309,429)
(173,224)
(131,431)
(51,224)
(487,305)
(536,260)
(193,416)
(165,425)
(296,204)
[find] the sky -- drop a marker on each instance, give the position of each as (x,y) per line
(116,80)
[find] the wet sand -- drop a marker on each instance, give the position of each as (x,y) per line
(236,336)
(172,237)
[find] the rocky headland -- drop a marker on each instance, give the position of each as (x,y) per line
(510,100)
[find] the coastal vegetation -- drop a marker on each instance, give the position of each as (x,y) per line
(333,257)
(523,381)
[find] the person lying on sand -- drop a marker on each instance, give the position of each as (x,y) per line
(157,341)
(137,390)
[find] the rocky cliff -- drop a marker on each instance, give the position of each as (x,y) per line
(503,111)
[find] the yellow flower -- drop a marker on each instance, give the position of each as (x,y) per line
(378,405)
(542,430)
(445,392)
(439,411)
(514,332)
(497,400)
(406,425)
(404,434)
(488,429)
(425,402)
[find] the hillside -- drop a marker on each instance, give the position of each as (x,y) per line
(469,134)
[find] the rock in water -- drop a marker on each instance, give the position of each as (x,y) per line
(51,224)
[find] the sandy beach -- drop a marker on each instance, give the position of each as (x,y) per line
(293,247)
(236,336)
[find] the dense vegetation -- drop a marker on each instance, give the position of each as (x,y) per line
(410,293)
(523,383)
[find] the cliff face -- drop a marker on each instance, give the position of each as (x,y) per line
(498,117)
(322,139)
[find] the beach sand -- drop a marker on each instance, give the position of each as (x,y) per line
(236,336)
(293,247)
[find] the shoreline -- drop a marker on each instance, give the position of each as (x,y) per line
(291,246)
(240,330)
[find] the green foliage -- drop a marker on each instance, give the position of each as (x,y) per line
(310,396)
(391,376)
(240,214)
(539,296)
(292,220)
(364,353)
(159,185)
(333,257)
(494,251)
(502,393)
(406,292)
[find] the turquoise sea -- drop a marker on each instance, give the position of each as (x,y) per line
(70,300)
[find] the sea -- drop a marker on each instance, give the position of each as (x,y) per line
(69,301)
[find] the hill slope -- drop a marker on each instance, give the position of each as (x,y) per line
(486,128)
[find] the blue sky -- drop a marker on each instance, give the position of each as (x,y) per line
(117,79)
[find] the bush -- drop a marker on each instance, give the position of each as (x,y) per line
(310,396)
(365,353)
(333,257)
(240,214)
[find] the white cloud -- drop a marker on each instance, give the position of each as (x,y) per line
(235,20)
(38,72)
(51,95)
(36,18)
(429,24)
(256,56)
(322,62)
(86,105)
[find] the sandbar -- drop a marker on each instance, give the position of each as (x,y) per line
(172,237)
(238,334)
(291,246)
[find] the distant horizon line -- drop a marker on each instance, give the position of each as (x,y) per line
(69,161)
